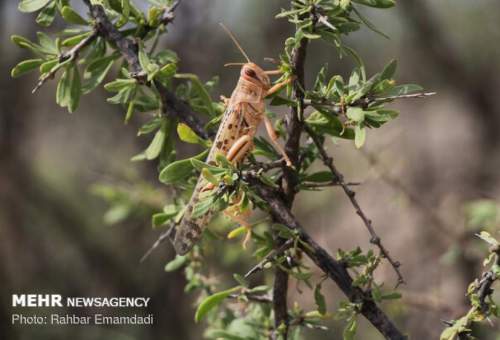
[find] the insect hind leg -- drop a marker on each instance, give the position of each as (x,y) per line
(239,149)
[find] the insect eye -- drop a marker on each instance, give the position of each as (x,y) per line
(251,73)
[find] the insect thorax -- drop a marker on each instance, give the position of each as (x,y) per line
(247,91)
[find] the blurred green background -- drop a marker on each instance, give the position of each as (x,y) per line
(418,174)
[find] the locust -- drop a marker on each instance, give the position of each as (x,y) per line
(245,110)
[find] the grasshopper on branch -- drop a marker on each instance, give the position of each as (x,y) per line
(244,112)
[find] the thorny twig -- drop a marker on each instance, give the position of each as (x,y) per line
(68,56)
(330,266)
(269,257)
(374,238)
(179,109)
(164,236)
(171,105)
(366,101)
(333,183)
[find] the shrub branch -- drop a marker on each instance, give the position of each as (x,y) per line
(280,206)
(374,238)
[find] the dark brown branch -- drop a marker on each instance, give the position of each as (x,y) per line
(374,238)
(172,106)
(279,209)
(333,268)
(290,180)
(314,185)
(69,55)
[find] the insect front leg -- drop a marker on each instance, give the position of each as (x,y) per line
(275,88)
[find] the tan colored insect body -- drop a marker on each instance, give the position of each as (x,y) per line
(244,113)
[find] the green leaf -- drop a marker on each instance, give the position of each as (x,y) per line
(48,65)
(72,17)
(344,3)
(178,171)
(25,43)
(355,114)
(116,214)
(46,16)
(402,90)
(391,296)
(96,72)
(150,126)
(482,214)
(449,334)
(319,177)
(199,165)
(355,78)
(213,301)
(237,232)
(147,65)
(376,293)
(187,135)
(287,13)
(332,126)
(28,6)
(485,236)
(389,70)
(209,176)
(119,84)
(377,3)
(176,263)
(69,88)
(74,40)
(359,136)
(76,89)
(48,46)
(319,298)
(159,219)
(125,11)
(200,90)
(357,58)
(130,111)
(350,329)
(167,71)
(123,96)
(156,144)
(25,66)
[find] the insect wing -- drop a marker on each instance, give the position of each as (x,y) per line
(230,130)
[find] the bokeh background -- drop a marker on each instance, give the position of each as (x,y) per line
(419,174)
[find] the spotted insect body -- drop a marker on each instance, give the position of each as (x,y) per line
(234,139)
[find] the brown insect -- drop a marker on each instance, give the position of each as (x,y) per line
(244,112)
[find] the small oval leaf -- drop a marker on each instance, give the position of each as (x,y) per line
(212,301)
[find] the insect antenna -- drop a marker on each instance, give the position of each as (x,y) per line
(233,64)
(233,38)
